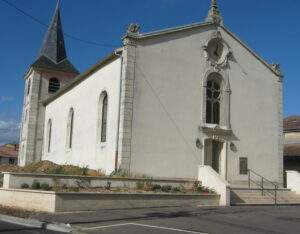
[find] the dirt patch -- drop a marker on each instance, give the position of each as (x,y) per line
(17,212)
(47,167)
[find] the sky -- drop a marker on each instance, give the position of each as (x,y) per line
(269,27)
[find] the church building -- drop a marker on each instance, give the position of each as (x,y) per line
(161,105)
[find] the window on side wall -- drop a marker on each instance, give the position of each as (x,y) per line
(70,126)
(243,166)
(102,117)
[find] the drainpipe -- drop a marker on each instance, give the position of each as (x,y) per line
(118,53)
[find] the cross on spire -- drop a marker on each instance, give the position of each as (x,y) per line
(214,14)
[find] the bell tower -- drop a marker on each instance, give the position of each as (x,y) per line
(50,72)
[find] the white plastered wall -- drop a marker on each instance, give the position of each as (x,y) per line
(84,99)
(166,121)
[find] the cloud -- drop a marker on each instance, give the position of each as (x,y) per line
(9,132)
(6,99)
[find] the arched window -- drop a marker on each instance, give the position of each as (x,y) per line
(102,119)
(49,135)
(54,85)
(213,100)
(70,126)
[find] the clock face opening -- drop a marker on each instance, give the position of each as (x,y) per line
(215,49)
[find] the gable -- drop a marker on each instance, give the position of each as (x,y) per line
(172,33)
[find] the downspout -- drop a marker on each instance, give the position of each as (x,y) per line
(119,110)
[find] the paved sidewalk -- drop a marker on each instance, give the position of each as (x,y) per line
(251,219)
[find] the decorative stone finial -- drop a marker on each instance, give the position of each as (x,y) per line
(133,29)
(214,14)
(276,67)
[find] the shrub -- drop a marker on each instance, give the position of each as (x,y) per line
(119,173)
(45,186)
(166,188)
(148,185)
(156,187)
(140,185)
(108,185)
(85,170)
(36,185)
(176,189)
(24,186)
(196,185)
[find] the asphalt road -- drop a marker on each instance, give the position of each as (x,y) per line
(197,220)
(14,228)
(220,220)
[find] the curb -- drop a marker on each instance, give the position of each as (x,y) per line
(59,227)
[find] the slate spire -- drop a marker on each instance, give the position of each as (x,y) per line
(214,14)
(53,55)
(54,44)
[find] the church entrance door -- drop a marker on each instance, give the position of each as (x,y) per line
(212,153)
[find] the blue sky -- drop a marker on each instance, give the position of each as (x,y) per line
(270,28)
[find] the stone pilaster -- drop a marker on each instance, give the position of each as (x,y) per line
(280,131)
(126,108)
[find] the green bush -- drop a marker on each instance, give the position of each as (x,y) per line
(176,189)
(156,187)
(24,186)
(45,186)
(108,185)
(148,185)
(166,188)
(140,185)
(36,185)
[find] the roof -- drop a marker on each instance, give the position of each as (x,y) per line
(53,53)
(83,76)
(54,44)
(291,150)
(291,124)
(44,63)
(9,150)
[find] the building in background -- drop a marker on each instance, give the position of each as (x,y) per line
(9,154)
(291,126)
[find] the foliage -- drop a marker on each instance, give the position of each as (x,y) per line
(166,188)
(176,189)
(156,187)
(119,173)
(36,185)
(108,185)
(197,187)
(45,186)
(140,185)
(24,186)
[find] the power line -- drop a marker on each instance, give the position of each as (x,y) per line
(47,26)
(156,95)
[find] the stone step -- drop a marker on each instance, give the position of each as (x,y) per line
(254,196)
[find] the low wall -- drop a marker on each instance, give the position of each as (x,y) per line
(293,181)
(15,180)
(28,199)
(64,202)
(211,179)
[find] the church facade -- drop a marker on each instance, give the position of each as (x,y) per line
(161,105)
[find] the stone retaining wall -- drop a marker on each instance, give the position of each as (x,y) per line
(64,202)
(15,180)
